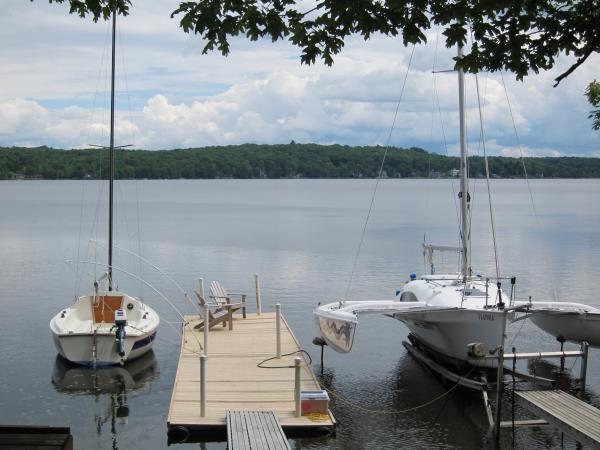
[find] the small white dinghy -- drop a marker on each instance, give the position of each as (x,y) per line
(108,327)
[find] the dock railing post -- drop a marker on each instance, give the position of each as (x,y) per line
(201,288)
(257,290)
(584,359)
(499,389)
(278,328)
(202,385)
(297,361)
(206,328)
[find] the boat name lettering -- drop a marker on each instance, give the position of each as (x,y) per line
(487,316)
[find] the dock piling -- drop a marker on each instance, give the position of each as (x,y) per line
(297,361)
(258,300)
(202,384)
(584,359)
(278,328)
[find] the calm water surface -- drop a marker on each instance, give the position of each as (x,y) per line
(301,237)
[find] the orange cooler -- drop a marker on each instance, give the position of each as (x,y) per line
(314,402)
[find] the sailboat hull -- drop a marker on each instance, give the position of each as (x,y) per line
(79,349)
(571,326)
(86,333)
(449,332)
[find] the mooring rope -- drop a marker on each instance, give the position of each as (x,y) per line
(403,411)
(260,364)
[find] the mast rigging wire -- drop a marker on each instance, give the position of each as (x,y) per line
(487,177)
(99,77)
(436,100)
(387,147)
(135,277)
(537,219)
(158,269)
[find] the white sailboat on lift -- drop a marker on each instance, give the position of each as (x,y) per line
(106,327)
(460,317)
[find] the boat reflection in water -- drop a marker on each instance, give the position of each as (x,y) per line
(111,382)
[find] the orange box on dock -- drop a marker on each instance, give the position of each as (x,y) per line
(314,402)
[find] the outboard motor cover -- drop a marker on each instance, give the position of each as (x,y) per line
(120,323)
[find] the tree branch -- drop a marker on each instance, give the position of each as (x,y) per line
(592,48)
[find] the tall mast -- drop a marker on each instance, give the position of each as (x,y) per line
(464,174)
(112,154)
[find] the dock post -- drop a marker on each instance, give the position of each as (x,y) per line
(499,389)
(206,328)
(278,328)
(500,378)
(202,385)
(201,288)
(297,361)
(584,359)
(257,287)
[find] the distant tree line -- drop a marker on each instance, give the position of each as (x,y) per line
(275,161)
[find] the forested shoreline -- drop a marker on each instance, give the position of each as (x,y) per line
(276,161)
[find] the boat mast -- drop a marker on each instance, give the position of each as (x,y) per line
(112,154)
(464,175)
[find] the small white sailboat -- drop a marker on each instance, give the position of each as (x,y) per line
(461,318)
(106,327)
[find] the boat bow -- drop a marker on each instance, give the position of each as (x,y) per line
(338,321)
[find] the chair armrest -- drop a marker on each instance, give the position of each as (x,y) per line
(203,301)
(233,305)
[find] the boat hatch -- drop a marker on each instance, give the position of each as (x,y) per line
(105,306)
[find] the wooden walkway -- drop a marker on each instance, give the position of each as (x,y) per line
(255,430)
(233,380)
(35,437)
(571,415)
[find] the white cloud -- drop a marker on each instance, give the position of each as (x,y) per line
(261,93)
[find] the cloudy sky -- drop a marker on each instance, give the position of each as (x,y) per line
(53,91)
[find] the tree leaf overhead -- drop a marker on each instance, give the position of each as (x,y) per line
(96,9)
(520,36)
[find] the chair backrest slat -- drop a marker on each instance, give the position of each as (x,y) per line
(218,292)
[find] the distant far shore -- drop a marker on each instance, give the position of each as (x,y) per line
(254,161)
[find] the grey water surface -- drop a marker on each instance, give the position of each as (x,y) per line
(302,237)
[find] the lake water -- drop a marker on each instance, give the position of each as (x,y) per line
(301,236)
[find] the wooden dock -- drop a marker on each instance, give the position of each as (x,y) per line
(255,430)
(235,382)
(574,417)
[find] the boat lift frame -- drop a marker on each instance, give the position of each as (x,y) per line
(494,418)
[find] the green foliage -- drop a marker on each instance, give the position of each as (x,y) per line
(97,9)
(593,94)
(518,35)
(272,161)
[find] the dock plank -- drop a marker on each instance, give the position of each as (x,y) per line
(571,415)
(235,382)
